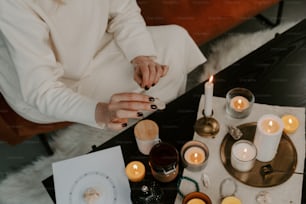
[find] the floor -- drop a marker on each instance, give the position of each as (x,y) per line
(14,158)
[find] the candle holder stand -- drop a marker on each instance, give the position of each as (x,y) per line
(207,126)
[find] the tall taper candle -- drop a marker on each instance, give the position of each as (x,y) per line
(209,90)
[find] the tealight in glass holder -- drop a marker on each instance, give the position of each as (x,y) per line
(194,155)
(239,102)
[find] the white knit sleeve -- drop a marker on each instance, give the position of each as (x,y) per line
(27,38)
(129,29)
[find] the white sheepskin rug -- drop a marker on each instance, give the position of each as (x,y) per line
(25,187)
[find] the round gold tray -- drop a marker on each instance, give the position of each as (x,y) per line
(264,174)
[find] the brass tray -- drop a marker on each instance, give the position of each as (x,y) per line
(264,174)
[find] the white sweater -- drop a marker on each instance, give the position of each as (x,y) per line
(52,47)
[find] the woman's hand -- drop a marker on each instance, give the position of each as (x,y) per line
(147,71)
(121,107)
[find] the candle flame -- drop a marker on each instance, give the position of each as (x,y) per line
(290,121)
(245,150)
(135,166)
(211,79)
(239,104)
(270,124)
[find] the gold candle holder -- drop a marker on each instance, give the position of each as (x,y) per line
(207,126)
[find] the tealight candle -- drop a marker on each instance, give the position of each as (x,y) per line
(267,137)
(194,155)
(196,198)
(231,200)
(243,155)
(291,123)
(196,201)
(135,171)
(209,89)
(239,103)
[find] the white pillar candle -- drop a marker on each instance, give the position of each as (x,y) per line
(209,90)
(267,137)
(243,155)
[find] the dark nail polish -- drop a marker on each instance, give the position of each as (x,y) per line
(139,114)
(147,88)
(124,124)
(151,99)
(153,106)
(153,84)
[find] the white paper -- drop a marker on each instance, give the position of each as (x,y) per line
(103,170)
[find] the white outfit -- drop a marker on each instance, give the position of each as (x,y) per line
(66,58)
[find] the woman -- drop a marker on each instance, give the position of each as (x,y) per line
(89,61)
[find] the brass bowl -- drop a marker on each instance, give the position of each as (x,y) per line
(207,127)
(263,174)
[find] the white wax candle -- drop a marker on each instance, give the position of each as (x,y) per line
(243,155)
(267,137)
(209,90)
(239,103)
(194,155)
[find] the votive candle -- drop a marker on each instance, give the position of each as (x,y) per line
(196,201)
(291,124)
(267,136)
(194,155)
(135,171)
(239,103)
(231,200)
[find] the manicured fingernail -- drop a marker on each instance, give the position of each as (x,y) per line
(147,88)
(139,114)
(153,106)
(151,99)
(153,84)
(124,124)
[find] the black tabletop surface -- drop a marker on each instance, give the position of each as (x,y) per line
(275,73)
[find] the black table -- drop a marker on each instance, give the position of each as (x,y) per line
(275,73)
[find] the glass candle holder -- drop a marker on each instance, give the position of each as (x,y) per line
(243,155)
(239,102)
(194,155)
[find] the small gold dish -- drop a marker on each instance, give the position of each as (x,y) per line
(263,174)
